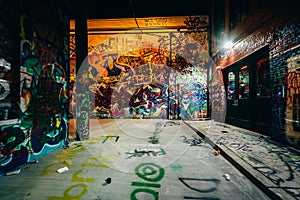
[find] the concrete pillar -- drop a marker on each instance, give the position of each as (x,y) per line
(82,94)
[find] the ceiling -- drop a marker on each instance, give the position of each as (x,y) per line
(97,9)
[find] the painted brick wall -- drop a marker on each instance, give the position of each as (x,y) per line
(285,83)
(282,34)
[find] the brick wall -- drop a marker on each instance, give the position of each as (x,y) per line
(284,52)
(282,34)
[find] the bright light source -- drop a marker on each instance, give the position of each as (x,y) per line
(228,44)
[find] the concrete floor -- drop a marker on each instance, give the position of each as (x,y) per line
(132,159)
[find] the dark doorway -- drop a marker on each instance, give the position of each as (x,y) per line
(247,85)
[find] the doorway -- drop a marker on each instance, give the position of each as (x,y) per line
(248,93)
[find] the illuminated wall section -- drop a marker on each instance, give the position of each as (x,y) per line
(293,98)
(156,71)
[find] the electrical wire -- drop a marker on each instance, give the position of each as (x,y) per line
(134,16)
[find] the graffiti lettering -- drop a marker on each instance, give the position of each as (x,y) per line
(155,185)
(197,183)
(293,86)
(143,190)
(285,165)
(192,142)
(68,196)
(295,192)
(176,167)
(156,22)
(149,172)
(109,137)
(154,139)
(94,165)
(269,172)
(143,152)
(75,177)
(65,159)
(243,147)
(10,137)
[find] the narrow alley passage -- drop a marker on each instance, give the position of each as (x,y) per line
(133,159)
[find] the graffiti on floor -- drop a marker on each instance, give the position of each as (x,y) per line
(146,152)
(80,177)
(270,173)
(150,173)
(192,141)
(285,165)
(171,123)
(109,137)
(294,191)
(244,147)
(176,168)
(252,148)
(154,139)
(201,186)
(68,193)
(103,139)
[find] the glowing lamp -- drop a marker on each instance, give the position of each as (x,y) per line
(228,44)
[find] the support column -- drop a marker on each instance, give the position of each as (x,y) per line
(82,92)
(211,43)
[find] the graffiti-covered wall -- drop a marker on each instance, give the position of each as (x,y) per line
(281,33)
(285,84)
(9,61)
(42,120)
(162,74)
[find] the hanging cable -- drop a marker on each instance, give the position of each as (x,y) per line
(133,14)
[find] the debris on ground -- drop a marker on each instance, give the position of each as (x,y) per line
(227,177)
(62,170)
(107,181)
(29,164)
(33,162)
(13,172)
(217,152)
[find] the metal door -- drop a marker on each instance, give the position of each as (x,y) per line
(247,85)
(239,101)
(262,110)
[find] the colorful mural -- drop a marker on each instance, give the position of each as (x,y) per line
(42,123)
(162,74)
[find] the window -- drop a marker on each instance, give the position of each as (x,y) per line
(231,86)
(244,82)
(263,78)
